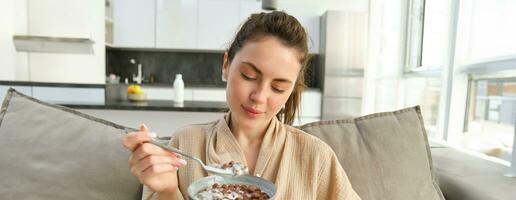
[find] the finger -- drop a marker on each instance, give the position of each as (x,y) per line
(147,149)
(157,169)
(143,128)
(155,160)
(132,140)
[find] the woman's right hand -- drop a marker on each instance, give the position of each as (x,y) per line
(154,167)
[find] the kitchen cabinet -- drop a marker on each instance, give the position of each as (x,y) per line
(218,23)
(195,24)
(134,23)
(248,7)
(108,23)
(310,104)
(59,94)
(344,55)
(176,24)
(164,123)
(61,18)
(27,90)
(166,93)
(68,95)
(200,94)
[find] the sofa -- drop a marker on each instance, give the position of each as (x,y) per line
(52,152)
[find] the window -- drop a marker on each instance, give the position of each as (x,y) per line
(486,53)
(425,92)
(457,60)
(427,31)
(487,30)
(490,116)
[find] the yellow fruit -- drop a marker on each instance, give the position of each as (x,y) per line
(130,89)
(137,90)
(134,89)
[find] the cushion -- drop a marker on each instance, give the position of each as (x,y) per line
(52,152)
(385,155)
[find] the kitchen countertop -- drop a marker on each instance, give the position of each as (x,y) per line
(91,85)
(49,84)
(153,105)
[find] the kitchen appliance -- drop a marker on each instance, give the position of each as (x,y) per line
(270,4)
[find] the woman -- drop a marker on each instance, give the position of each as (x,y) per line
(264,69)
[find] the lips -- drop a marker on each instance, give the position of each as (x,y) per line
(251,112)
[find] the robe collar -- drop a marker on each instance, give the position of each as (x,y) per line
(223,147)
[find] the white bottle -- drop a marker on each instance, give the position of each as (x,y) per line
(179,88)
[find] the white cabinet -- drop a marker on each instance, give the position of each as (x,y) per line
(195,24)
(218,23)
(310,104)
(164,123)
(209,94)
(134,23)
(176,24)
(26,90)
(63,18)
(308,17)
(248,7)
(310,108)
(69,95)
(166,93)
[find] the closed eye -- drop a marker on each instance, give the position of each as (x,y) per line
(277,90)
(247,77)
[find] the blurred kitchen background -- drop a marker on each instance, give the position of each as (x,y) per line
(456,59)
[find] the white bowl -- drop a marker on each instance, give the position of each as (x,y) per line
(137,97)
(203,183)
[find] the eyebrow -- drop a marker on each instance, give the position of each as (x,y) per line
(260,72)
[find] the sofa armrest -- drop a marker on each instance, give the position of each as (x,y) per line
(463,176)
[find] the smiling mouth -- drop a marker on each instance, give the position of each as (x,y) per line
(251,112)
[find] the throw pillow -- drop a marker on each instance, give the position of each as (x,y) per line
(385,155)
(52,152)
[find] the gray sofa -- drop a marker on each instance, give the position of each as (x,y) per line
(53,152)
(464,176)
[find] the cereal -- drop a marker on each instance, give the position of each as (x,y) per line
(236,167)
(231,192)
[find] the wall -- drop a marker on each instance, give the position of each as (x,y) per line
(13,66)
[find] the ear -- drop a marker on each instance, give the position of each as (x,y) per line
(225,67)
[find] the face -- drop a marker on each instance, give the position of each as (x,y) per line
(260,78)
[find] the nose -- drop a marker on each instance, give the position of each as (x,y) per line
(259,95)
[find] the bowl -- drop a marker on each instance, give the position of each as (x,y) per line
(203,183)
(137,97)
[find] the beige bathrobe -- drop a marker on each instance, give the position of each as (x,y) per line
(300,165)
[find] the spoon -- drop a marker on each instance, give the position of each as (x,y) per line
(207,168)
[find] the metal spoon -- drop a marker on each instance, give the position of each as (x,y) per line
(207,168)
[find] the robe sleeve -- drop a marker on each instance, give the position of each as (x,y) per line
(148,194)
(333,183)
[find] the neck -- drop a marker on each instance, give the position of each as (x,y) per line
(247,136)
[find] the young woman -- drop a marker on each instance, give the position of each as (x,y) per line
(264,69)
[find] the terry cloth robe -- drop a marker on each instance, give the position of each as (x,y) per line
(300,165)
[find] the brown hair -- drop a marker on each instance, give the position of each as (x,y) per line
(289,31)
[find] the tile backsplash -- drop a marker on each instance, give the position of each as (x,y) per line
(199,69)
